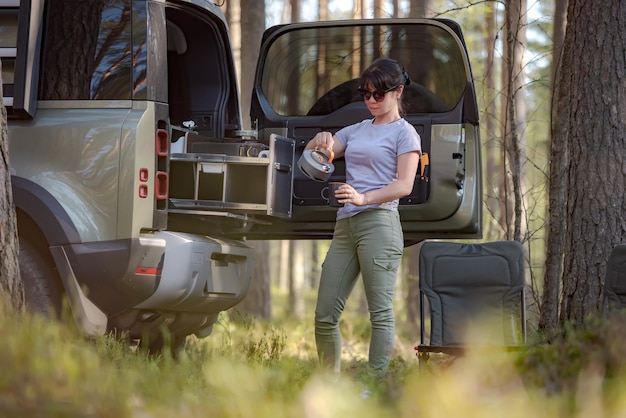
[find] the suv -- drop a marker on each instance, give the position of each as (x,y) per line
(135,185)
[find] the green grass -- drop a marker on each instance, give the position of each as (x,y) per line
(249,368)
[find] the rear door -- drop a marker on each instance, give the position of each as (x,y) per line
(306,82)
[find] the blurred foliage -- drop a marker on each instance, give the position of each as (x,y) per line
(556,360)
(251,368)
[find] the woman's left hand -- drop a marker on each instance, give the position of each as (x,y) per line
(347,194)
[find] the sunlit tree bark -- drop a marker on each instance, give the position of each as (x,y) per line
(419,9)
(363,55)
(549,313)
(294,81)
(511,218)
(11,286)
(252,28)
(489,117)
(591,104)
(283,269)
(258,300)
(322,81)
(296,275)
(379,8)
(295,306)
(232,12)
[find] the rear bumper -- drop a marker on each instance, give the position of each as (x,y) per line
(177,280)
(200,274)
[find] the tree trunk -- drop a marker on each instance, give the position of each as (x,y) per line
(283,267)
(258,300)
(292,86)
(252,28)
(252,25)
(316,270)
(517,117)
(558,34)
(513,78)
(379,10)
(364,58)
(489,121)
(412,286)
(11,286)
(232,11)
(592,125)
(322,80)
(296,279)
(419,9)
(549,313)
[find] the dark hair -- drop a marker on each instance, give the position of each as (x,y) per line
(384,74)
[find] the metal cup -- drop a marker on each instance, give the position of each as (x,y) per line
(332,187)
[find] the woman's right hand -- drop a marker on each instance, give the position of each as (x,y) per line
(323,140)
(326,142)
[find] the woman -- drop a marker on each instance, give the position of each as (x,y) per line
(381,156)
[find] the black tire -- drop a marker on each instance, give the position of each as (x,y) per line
(43,291)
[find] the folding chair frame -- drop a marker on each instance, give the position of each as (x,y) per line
(424,350)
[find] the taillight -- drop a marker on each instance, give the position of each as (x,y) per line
(161,180)
(160,185)
(162,143)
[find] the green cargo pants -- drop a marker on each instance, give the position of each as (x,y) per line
(369,243)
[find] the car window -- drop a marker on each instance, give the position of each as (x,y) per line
(91,61)
(8,39)
(315,71)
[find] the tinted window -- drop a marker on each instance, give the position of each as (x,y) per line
(8,39)
(87,50)
(315,71)
(8,28)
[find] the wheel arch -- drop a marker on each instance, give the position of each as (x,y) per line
(44,223)
(45,212)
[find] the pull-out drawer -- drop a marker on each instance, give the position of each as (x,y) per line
(242,184)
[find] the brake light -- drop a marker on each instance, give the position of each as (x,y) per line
(161,179)
(160,185)
(162,143)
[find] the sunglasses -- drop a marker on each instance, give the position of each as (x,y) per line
(379,96)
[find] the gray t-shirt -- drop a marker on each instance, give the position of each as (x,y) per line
(371,155)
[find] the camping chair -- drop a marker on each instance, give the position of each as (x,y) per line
(470,288)
(615,279)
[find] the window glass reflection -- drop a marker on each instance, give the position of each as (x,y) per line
(315,71)
(90,56)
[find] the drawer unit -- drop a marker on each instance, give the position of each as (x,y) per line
(225,182)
